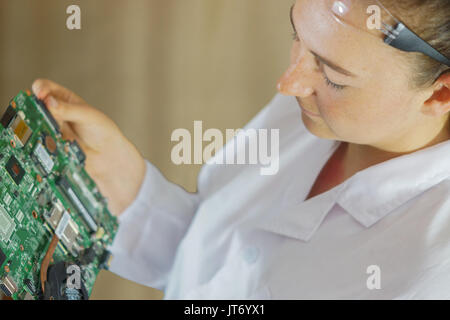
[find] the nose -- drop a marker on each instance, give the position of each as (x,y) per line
(294,82)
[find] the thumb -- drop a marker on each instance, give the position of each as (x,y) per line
(71,112)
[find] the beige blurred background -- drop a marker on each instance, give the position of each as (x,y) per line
(153,66)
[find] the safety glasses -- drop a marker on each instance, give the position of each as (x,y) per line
(373,17)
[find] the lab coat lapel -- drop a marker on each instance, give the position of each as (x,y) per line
(367,196)
(376,191)
(302,220)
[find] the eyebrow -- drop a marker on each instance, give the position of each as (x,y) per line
(325,61)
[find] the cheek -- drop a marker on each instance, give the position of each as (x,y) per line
(362,118)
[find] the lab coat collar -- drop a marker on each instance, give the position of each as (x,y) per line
(372,193)
(368,195)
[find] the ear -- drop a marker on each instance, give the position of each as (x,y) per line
(439,103)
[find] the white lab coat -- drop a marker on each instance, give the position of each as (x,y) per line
(384,233)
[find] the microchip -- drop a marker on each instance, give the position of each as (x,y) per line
(88,255)
(2,257)
(19,216)
(7,199)
(8,116)
(15,170)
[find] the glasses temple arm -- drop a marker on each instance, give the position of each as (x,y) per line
(406,40)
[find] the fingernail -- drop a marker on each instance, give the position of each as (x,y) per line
(36,87)
(52,103)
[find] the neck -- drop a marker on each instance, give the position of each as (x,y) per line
(359,157)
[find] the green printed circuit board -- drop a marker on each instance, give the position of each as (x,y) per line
(47,200)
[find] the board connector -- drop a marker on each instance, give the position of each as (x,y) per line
(47,115)
(64,185)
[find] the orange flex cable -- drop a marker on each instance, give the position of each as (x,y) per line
(47,259)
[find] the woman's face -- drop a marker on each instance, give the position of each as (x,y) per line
(358,86)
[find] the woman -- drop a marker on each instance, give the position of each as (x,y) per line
(360,206)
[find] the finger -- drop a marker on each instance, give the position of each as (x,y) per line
(76,113)
(69,134)
(42,88)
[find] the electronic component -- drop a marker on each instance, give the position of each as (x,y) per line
(28,296)
(30,285)
(105,260)
(85,192)
(8,116)
(21,130)
(50,144)
(57,284)
(15,170)
(52,214)
(7,225)
(8,286)
(68,232)
(88,255)
(7,199)
(44,159)
(43,198)
(68,191)
(46,113)
(19,216)
(79,153)
(100,233)
(2,257)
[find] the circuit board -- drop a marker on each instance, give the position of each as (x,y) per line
(55,225)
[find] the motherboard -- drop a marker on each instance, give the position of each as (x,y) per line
(55,225)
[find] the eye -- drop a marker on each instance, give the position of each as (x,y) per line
(295,36)
(331,83)
(324,75)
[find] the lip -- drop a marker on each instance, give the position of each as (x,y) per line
(309,113)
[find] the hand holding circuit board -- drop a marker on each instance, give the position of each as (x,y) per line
(112,160)
(53,217)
